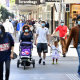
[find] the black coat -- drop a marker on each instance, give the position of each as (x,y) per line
(47,25)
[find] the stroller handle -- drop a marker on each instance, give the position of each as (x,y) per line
(25,43)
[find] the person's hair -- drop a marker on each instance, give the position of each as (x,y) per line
(42,21)
(2,28)
(25,27)
(56,43)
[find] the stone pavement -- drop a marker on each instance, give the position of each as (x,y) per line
(66,69)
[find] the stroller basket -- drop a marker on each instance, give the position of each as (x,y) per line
(25,48)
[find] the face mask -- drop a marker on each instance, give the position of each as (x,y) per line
(43,25)
(0,31)
(62,24)
(26,30)
(78,22)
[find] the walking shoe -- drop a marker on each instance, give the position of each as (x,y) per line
(64,55)
(43,63)
(40,61)
(56,62)
(53,63)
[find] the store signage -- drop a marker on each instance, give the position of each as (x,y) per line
(53,0)
(33,2)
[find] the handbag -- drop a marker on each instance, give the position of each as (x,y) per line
(14,55)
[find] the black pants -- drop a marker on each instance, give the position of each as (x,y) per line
(7,68)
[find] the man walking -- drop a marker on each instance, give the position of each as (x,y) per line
(63,36)
(42,40)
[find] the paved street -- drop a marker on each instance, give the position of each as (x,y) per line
(66,69)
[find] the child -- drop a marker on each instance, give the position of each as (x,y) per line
(55,51)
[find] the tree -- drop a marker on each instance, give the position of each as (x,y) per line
(5,13)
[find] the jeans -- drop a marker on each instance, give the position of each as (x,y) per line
(7,66)
(78,51)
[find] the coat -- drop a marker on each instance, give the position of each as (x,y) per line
(74,34)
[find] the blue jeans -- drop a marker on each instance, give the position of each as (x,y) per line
(78,51)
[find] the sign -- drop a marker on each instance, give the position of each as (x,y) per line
(32,2)
(53,0)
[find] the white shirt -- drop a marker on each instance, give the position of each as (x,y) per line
(55,50)
(8,27)
(42,34)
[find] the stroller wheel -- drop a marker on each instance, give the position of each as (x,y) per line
(18,62)
(24,65)
(33,62)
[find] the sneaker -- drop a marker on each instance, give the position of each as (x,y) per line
(40,61)
(64,55)
(53,63)
(43,63)
(56,62)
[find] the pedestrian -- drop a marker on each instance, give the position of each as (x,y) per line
(36,25)
(26,35)
(75,35)
(6,51)
(55,51)
(8,26)
(19,27)
(63,32)
(42,41)
(47,24)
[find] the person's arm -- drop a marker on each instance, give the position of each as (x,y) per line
(55,31)
(12,50)
(36,39)
(48,37)
(67,32)
(36,36)
(20,37)
(11,40)
(69,40)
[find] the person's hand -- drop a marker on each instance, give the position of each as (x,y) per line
(11,56)
(48,44)
(52,35)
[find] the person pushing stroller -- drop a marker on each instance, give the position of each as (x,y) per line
(26,35)
(26,46)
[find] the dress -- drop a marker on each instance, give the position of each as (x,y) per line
(55,52)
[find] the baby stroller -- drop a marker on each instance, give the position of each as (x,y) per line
(25,55)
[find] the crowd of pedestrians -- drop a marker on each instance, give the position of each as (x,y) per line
(25,31)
